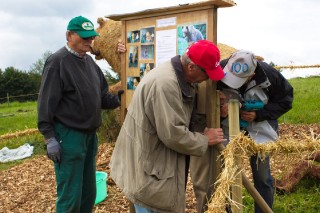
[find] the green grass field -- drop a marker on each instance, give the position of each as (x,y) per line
(17,116)
(306,106)
(20,116)
(306,110)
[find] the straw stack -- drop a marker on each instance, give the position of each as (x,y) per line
(105,45)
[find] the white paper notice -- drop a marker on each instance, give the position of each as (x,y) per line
(166,46)
(166,22)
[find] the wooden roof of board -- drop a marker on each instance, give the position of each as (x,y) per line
(174,9)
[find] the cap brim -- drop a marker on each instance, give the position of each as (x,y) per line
(233,81)
(216,74)
(87,34)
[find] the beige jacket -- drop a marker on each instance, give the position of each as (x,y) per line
(148,162)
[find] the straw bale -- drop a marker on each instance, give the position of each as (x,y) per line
(225,50)
(105,45)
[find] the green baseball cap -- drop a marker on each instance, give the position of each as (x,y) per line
(82,26)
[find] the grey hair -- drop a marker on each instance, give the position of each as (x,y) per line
(186,60)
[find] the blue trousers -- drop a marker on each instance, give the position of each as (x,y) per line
(140,209)
(263,180)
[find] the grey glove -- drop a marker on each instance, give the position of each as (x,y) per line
(53,150)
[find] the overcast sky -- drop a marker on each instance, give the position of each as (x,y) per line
(282,31)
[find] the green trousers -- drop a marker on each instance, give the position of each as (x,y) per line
(76,173)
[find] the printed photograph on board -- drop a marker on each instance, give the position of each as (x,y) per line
(145,68)
(132,82)
(133,36)
(147,52)
(190,33)
(133,56)
(147,35)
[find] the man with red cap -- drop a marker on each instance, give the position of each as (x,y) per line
(149,160)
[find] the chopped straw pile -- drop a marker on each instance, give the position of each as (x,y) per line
(244,147)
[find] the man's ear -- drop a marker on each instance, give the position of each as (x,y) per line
(191,66)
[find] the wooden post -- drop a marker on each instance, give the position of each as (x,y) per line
(255,194)
(234,130)
(8,99)
(123,109)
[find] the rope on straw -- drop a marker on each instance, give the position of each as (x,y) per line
(297,66)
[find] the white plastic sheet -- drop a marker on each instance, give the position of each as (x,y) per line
(21,152)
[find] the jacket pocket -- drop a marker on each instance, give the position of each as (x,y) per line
(159,187)
(159,193)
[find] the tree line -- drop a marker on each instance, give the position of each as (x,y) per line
(18,83)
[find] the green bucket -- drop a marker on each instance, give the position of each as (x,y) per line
(101,184)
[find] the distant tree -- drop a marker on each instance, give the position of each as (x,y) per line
(274,65)
(19,83)
(13,82)
(1,85)
(37,67)
(111,78)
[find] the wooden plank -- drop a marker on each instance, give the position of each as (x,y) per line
(123,76)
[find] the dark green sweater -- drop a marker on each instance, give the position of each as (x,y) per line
(73,91)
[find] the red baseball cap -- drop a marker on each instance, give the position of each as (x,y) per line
(206,55)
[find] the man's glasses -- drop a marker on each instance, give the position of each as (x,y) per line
(200,68)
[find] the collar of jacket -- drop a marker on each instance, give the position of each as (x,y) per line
(185,87)
(73,52)
(260,78)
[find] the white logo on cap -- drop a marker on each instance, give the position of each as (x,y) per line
(238,67)
(87,26)
(217,64)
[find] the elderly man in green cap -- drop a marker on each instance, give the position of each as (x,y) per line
(73,91)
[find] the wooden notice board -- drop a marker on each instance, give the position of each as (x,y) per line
(154,36)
